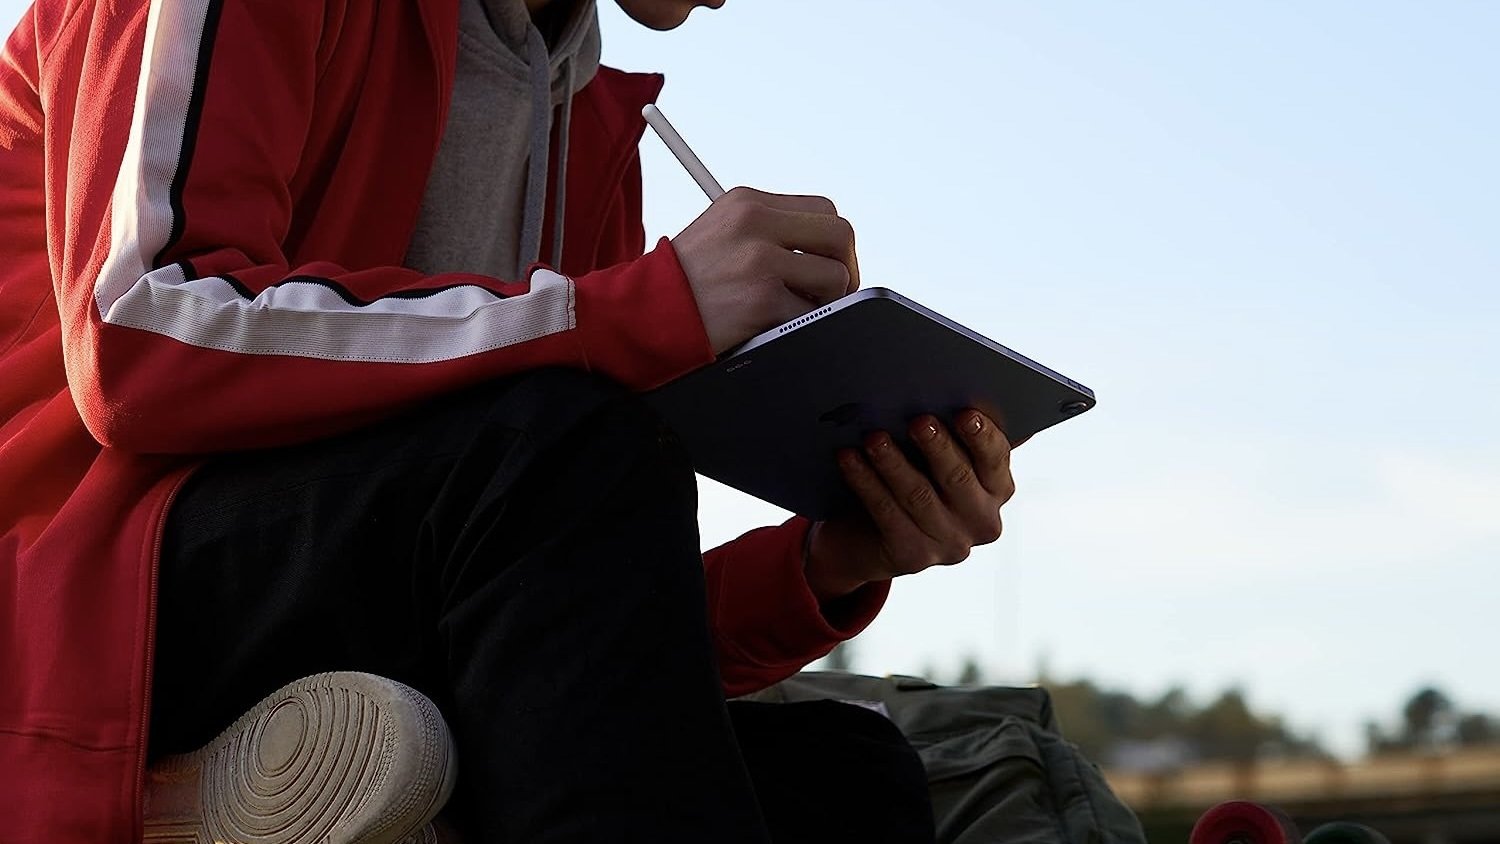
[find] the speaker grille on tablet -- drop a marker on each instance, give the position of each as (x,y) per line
(804,320)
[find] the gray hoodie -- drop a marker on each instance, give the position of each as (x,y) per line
(485,200)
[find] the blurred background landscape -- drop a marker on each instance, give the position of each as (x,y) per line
(1428,771)
(1268,564)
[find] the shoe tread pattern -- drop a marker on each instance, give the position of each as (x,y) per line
(336,758)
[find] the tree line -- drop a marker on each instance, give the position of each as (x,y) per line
(1120,729)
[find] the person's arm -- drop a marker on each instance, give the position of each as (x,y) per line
(186,327)
(768,624)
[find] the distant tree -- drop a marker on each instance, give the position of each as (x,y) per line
(1475,729)
(1077,706)
(841,658)
(970,674)
(1226,729)
(1102,722)
(1426,718)
(1431,721)
(1165,715)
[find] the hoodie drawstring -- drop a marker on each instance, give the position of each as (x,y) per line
(541,131)
(533,218)
(560,187)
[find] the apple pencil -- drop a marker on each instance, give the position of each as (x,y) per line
(684,153)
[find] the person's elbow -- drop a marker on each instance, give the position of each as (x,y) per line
(128,408)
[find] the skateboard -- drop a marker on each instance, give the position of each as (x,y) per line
(1243,822)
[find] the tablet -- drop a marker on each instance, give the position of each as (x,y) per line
(769,416)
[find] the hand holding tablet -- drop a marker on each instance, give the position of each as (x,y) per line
(770,416)
(912,520)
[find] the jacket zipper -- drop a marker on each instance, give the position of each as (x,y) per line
(150,661)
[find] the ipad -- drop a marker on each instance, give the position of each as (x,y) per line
(769,416)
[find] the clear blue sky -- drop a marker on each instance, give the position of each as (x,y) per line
(1264,233)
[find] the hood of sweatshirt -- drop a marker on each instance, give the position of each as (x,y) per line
(485,204)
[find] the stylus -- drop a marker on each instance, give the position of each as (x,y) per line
(684,153)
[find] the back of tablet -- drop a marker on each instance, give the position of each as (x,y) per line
(768,418)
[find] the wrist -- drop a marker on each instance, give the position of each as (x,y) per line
(826,564)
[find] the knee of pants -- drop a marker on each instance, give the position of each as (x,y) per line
(565,472)
(576,441)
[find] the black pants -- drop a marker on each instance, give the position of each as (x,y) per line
(526,554)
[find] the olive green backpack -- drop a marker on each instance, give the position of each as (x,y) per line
(998,768)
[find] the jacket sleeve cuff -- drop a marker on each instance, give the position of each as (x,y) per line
(638,322)
(767,621)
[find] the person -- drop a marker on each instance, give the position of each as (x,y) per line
(321,326)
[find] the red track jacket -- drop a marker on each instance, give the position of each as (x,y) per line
(204,205)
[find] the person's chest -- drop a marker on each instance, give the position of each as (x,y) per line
(381,103)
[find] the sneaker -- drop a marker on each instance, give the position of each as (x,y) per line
(337,758)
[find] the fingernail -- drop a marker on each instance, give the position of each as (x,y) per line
(927,431)
(877,443)
(975,424)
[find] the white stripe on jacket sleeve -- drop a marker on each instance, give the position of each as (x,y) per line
(297,317)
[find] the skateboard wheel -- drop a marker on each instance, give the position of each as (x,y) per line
(1345,833)
(1243,822)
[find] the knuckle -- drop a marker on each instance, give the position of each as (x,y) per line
(960,476)
(883,508)
(845,230)
(921,496)
(841,277)
(990,531)
(751,214)
(760,256)
(822,205)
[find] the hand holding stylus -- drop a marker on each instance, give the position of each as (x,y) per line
(755,260)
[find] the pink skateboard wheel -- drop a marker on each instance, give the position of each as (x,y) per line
(1243,822)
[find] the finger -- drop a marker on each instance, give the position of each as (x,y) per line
(916,495)
(821,234)
(800,203)
(895,526)
(814,277)
(815,234)
(950,468)
(989,451)
(806,223)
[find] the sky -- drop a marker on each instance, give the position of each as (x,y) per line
(1264,234)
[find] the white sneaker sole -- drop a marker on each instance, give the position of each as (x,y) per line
(337,758)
